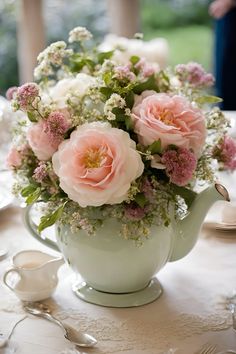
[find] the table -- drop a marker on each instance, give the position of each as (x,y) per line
(191,311)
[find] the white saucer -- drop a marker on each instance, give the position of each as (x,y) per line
(221,226)
(137,298)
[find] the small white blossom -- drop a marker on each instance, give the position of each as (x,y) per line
(52,55)
(43,69)
(114,101)
(79,34)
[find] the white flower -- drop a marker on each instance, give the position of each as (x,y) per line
(79,34)
(76,86)
(114,101)
(97,165)
(154,51)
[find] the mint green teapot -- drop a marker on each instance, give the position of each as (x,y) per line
(116,272)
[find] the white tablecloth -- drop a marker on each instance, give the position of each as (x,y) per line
(191,311)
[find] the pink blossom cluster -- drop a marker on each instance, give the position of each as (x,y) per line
(194,74)
(26,94)
(180,165)
(147,189)
(225,152)
(134,212)
(40,173)
(56,125)
(123,72)
(146,69)
(11,92)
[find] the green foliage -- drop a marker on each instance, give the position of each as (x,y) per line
(104,55)
(208,99)
(140,199)
(189,43)
(50,219)
(160,14)
(150,84)
(155,147)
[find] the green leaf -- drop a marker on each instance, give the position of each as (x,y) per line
(33,117)
(107,77)
(187,194)
(78,63)
(140,199)
(25,192)
(106,91)
(134,59)
(155,147)
(208,99)
(104,55)
(119,113)
(150,84)
(129,123)
(50,219)
(129,99)
(33,196)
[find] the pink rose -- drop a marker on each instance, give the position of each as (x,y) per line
(97,164)
(40,141)
(14,158)
(172,119)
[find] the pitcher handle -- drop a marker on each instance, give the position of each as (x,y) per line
(33,229)
(5,277)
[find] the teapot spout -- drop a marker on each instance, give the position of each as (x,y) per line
(187,229)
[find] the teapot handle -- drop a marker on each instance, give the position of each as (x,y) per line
(33,229)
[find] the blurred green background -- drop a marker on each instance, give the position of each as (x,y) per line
(184,23)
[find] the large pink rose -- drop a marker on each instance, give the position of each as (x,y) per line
(172,119)
(40,141)
(97,164)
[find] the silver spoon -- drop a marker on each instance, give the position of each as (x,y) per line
(70,333)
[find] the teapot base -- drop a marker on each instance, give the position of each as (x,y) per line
(138,298)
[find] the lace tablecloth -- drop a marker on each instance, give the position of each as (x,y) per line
(191,311)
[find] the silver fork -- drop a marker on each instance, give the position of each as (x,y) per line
(207,349)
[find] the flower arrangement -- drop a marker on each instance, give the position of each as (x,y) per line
(104,140)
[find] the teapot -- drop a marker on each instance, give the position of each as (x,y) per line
(117,272)
(36,275)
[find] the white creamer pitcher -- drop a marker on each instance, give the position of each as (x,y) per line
(36,275)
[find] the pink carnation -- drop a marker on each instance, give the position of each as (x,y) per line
(180,165)
(11,92)
(225,152)
(26,94)
(172,119)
